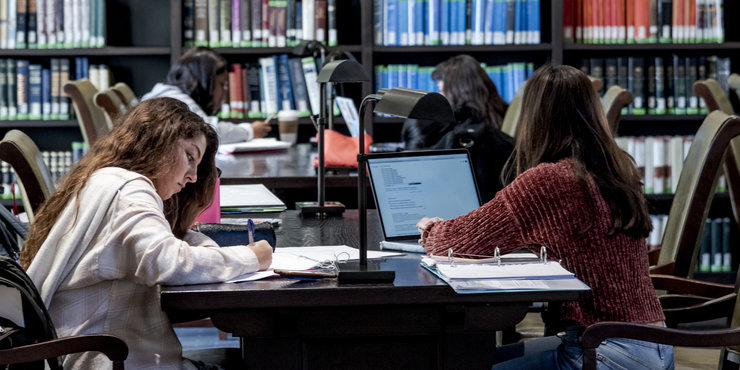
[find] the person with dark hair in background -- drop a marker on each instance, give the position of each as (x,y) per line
(479,112)
(199,79)
(119,226)
(577,193)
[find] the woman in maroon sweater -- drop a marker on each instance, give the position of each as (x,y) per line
(579,195)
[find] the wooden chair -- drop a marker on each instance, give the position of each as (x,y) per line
(18,150)
(109,101)
(733,82)
(113,347)
(92,120)
(597,333)
(714,95)
(597,83)
(511,117)
(126,94)
(689,300)
(613,101)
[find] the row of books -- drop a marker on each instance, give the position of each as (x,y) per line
(52,24)
(660,161)
(456,22)
(643,21)
(258,23)
(715,253)
(273,83)
(34,91)
(58,163)
(659,85)
(507,78)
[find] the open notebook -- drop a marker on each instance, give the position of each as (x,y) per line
(410,185)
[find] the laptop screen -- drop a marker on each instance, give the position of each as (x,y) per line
(410,185)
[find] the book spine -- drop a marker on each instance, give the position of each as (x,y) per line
(257,37)
(236,23)
(45,93)
(32,26)
(224,23)
(213,23)
(285,92)
(34,92)
(84,24)
(312,86)
(246,23)
(201,29)
(4,89)
(188,23)
(269,80)
(254,86)
(21,19)
(22,89)
(63,79)
(300,95)
(56,88)
(308,19)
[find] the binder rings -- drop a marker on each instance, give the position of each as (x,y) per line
(495,274)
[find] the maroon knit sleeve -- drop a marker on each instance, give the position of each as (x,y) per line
(478,232)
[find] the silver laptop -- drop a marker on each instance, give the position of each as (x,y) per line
(414,184)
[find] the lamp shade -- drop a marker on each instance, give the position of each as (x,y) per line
(344,70)
(418,104)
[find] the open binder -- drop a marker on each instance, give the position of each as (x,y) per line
(502,273)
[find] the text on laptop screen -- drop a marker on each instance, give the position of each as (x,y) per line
(412,187)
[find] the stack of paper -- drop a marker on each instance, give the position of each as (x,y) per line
(254,145)
(253,198)
(495,277)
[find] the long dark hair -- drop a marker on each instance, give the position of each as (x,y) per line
(468,88)
(195,74)
(142,141)
(562,118)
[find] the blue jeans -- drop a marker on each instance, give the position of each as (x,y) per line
(566,353)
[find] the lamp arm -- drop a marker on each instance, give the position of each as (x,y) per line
(361,187)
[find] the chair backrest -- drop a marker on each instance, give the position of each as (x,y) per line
(694,192)
(597,83)
(511,117)
(597,333)
(126,94)
(18,150)
(714,95)
(109,101)
(37,339)
(91,118)
(613,101)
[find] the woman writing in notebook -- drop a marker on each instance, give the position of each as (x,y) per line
(199,79)
(119,226)
(479,112)
(579,195)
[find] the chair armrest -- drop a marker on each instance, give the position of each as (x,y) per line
(597,333)
(111,346)
(681,285)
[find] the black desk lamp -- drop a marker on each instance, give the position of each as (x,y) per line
(337,71)
(401,102)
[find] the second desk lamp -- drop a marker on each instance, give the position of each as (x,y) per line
(401,102)
(337,71)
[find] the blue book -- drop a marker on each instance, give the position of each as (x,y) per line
(519,19)
(420,21)
(489,21)
(433,22)
(412,75)
(34,91)
(12,89)
(445,28)
(534,21)
(403,75)
(403,22)
(477,22)
(391,23)
(285,88)
(300,94)
(23,88)
(379,72)
(46,93)
(269,83)
(454,22)
(378,21)
(393,72)
(499,22)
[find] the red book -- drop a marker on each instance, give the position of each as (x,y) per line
(578,20)
(320,11)
(236,102)
(629,14)
(642,20)
(568,20)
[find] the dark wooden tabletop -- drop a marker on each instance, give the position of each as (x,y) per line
(413,284)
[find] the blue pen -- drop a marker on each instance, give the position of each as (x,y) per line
(250,229)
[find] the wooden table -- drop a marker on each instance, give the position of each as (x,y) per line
(290,174)
(416,322)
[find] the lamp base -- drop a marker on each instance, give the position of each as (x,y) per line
(313,208)
(353,273)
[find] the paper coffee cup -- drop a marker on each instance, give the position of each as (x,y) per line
(288,125)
